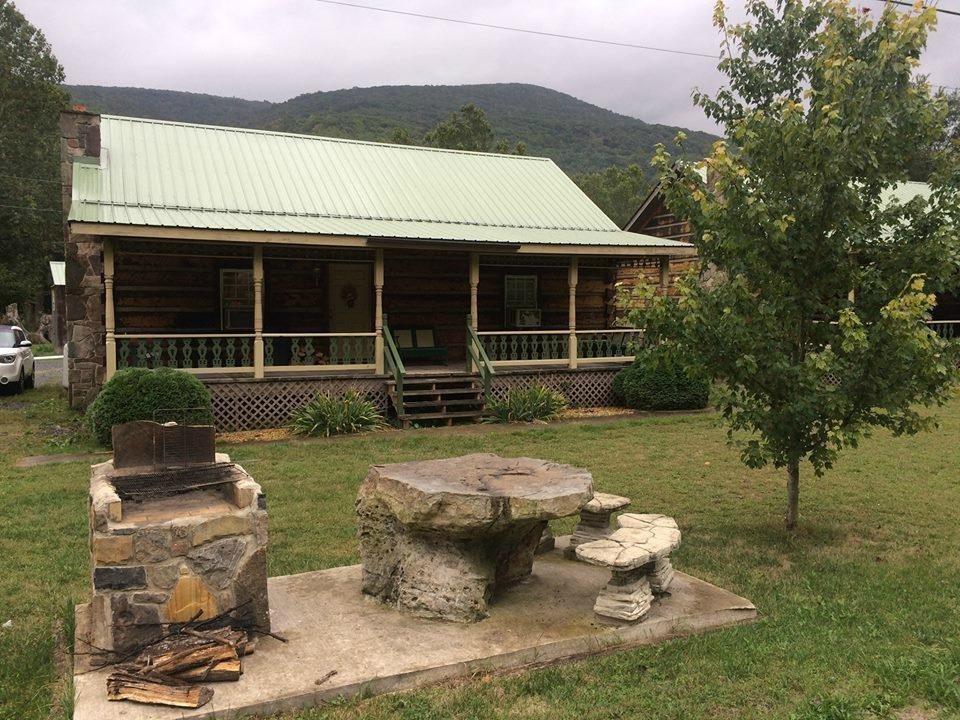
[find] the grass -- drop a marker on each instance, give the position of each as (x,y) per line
(861,608)
(43,350)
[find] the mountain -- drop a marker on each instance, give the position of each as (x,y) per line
(579,136)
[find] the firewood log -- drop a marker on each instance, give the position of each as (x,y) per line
(223,671)
(156,690)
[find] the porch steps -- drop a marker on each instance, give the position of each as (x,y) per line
(444,398)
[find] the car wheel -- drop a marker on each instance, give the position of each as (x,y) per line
(31,380)
(21,383)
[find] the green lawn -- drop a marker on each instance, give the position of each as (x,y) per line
(860,610)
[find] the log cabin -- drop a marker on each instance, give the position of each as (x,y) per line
(654,218)
(276,266)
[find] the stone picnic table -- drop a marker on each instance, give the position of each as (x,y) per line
(439,538)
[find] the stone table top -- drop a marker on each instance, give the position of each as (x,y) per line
(482,492)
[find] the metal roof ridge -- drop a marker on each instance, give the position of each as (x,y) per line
(334,216)
(325,138)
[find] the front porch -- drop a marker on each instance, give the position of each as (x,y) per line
(381,319)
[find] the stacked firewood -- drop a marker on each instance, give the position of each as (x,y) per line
(172,670)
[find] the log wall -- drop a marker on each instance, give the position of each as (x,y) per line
(658,221)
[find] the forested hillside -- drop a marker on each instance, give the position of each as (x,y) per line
(579,136)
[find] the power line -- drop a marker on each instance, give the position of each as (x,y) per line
(910,4)
(528,31)
(543,33)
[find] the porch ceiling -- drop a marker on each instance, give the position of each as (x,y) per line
(176,176)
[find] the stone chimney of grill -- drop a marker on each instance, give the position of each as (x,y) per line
(79,138)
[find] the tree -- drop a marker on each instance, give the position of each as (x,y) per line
(820,111)
(466,129)
(30,100)
(401,136)
(617,191)
(945,149)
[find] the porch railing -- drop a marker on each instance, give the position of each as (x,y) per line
(526,346)
(608,345)
(216,353)
(342,351)
(947,329)
(199,353)
(552,347)
(479,357)
(393,363)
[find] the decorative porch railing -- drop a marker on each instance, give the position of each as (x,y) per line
(299,350)
(508,346)
(553,346)
(194,352)
(614,344)
(234,353)
(947,329)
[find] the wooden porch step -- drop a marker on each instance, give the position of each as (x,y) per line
(408,417)
(449,380)
(438,392)
(443,402)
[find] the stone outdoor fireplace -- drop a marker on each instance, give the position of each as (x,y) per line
(177,533)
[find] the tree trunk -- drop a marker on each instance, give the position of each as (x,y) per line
(793,493)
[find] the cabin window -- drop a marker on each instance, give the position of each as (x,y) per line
(520,291)
(520,302)
(236,299)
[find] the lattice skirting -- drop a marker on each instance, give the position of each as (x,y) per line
(269,403)
(587,387)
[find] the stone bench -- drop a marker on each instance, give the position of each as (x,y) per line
(638,555)
(595,520)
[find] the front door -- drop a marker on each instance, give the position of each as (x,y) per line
(350,297)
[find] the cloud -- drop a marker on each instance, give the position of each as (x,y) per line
(276,49)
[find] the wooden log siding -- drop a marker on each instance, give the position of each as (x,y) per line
(658,221)
(594,296)
(430,290)
(296,297)
(156,293)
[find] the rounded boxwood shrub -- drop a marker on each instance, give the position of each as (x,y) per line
(139,393)
(658,382)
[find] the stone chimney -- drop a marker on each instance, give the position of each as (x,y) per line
(84,293)
(79,138)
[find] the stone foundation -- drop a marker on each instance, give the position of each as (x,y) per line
(174,559)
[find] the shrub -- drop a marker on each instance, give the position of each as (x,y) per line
(533,403)
(139,393)
(330,415)
(656,381)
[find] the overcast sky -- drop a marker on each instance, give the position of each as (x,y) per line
(276,49)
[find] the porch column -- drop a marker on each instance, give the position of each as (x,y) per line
(474,284)
(378,310)
(664,274)
(109,315)
(258,311)
(572,274)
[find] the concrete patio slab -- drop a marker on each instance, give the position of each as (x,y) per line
(374,649)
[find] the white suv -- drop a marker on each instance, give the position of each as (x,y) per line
(16,358)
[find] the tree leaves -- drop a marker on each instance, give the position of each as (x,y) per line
(821,113)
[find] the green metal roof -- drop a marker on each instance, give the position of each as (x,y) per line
(167,174)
